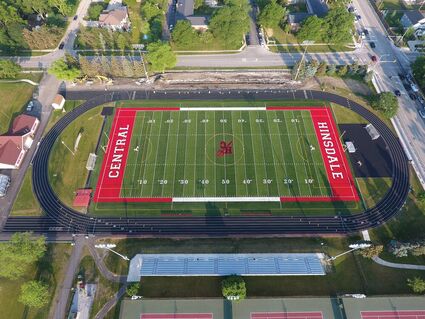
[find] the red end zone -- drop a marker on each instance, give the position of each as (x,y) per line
(111,176)
(337,169)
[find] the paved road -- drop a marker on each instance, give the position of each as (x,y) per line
(392,62)
(397,265)
(60,305)
(65,219)
(111,303)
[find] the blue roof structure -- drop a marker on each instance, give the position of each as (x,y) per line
(225,264)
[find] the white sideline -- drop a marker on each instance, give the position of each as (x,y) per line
(224,108)
(224,199)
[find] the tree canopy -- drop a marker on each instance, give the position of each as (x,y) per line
(271,15)
(372,251)
(34,294)
(19,253)
(386,103)
(233,287)
(183,33)
(9,69)
(335,27)
(417,285)
(160,56)
(133,289)
(418,68)
(65,69)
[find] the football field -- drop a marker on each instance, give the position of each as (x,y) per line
(224,154)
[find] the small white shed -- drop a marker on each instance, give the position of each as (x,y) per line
(58,102)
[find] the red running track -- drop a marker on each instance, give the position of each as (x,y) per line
(401,314)
(176,316)
(287,315)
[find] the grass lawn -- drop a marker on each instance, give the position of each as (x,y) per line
(391,5)
(135,18)
(281,37)
(212,44)
(393,19)
(373,189)
(350,273)
(13,99)
(26,204)
(50,270)
(343,115)
(104,290)
(67,172)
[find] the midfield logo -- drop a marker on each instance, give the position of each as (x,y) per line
(225,149)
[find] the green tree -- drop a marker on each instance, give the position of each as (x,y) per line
(416,284)
(64,70)
(342,70)
(94,11)
(122,42)
(229,24)
(160,56)
(421,197)
(133,289)
(9,69)
(338,24)
(198,3)
(312,29)
(150,11)
(321,70)
(19,253)
(418,68)
(61,5)
(34,294)
(387,103)
(271,15)
(419,251)
(183,34)
(298,70)
(233,287)
(371,252)
(9,15)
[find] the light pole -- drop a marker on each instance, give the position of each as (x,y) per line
(306,43)
(109,247)
(353,247)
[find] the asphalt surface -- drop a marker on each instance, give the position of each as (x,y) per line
(61,219)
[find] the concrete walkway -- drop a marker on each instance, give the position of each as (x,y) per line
(396,265)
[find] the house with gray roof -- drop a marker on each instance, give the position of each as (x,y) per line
(185,11)
(413,19)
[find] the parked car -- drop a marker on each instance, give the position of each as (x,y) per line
(75,17)
(30,106)
(372,45)
(351,9)
(397,92)
(412,96)
(402,76)
(374,58)
(4,184)
(171,27)
(61,45)
(414,88)
(358,17)
(422,113)
(366,31)
(406,86)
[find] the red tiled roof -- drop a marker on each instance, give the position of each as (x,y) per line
(10,148)
(22,124)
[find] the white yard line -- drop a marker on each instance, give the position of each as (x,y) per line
(292,152)
(196,147)
(142,168)
(185,158)
(253,156)
(264,159)
(166,153)
(315,168)
(281,150)
(223,108)
(156,156)
(175,159)
(274,160)
(224,199)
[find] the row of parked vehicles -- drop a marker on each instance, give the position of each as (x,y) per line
(413,91)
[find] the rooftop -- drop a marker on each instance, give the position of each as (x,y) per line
(22,124)
(114,17)
(317,7)
(414,16)
(224,264)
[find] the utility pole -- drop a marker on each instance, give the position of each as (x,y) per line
(361,245)
(109,247)
(306,43)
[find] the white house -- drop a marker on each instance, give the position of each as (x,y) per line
(115,20)
(15,144)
